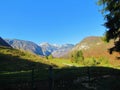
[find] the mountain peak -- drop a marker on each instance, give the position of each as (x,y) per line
(44,43)
(43,49)
(55,49)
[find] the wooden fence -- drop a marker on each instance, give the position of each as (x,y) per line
(59,79)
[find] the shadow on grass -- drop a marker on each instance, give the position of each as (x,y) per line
(15,73)
(87,78)
(14,63)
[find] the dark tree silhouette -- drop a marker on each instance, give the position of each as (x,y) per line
(111,12)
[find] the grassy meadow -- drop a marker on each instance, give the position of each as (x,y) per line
(19,67)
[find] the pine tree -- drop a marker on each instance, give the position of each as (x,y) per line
(111,12)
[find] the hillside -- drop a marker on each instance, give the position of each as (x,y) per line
(62,50)
(44,49)
(96,47)
(16,69)
(48,48)
(25,45)
(17,60)
(4,43)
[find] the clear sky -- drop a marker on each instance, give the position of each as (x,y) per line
(53,21)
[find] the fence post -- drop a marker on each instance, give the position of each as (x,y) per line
(32,78)
(88,71)
(50,78)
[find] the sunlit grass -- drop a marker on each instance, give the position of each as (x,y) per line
(25,59)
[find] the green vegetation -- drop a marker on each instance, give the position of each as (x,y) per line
(101,61)
(50,56)
(111,11)
(23,68)
(16,60)
(77,57)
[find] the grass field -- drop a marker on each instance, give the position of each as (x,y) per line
(22,70)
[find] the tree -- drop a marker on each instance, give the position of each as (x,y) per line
(77,56)
(46,57)
(111,12)
(50,56)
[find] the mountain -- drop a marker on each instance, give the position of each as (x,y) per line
(56,50)
(48,48)
(44,49)
(4,43)
(62,50)
(95,47)
(25,45)
(88,43)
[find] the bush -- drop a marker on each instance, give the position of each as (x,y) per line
(77,57)
(50,56)
(96,61)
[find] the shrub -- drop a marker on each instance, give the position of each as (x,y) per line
(50,56)
(77,57)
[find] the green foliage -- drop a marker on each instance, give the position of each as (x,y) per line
(17,60)
(96,61)
(46,57)
(77,57)
(90,62)
(50,56)
(104,38)
(111,11)
(103,61)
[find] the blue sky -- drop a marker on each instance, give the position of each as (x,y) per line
(53,21)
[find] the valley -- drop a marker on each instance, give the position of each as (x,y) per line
(26,68)
(60,45)
(94,49)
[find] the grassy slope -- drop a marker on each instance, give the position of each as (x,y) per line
(98,49)
(16,65)
(16,60)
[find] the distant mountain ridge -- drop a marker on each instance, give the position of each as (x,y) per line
(62,50)
(43,49)
(56,50)
(48,48)
(25,45)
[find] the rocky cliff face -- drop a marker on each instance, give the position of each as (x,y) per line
(25,45)
(48,48)
(56,50)
(63,50)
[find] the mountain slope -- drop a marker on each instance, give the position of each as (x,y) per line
(88,43)
(56,50)
(95,47)
(48,48)
(25,45)
(62,50)
(4,43)
(44,49)
(16,60)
